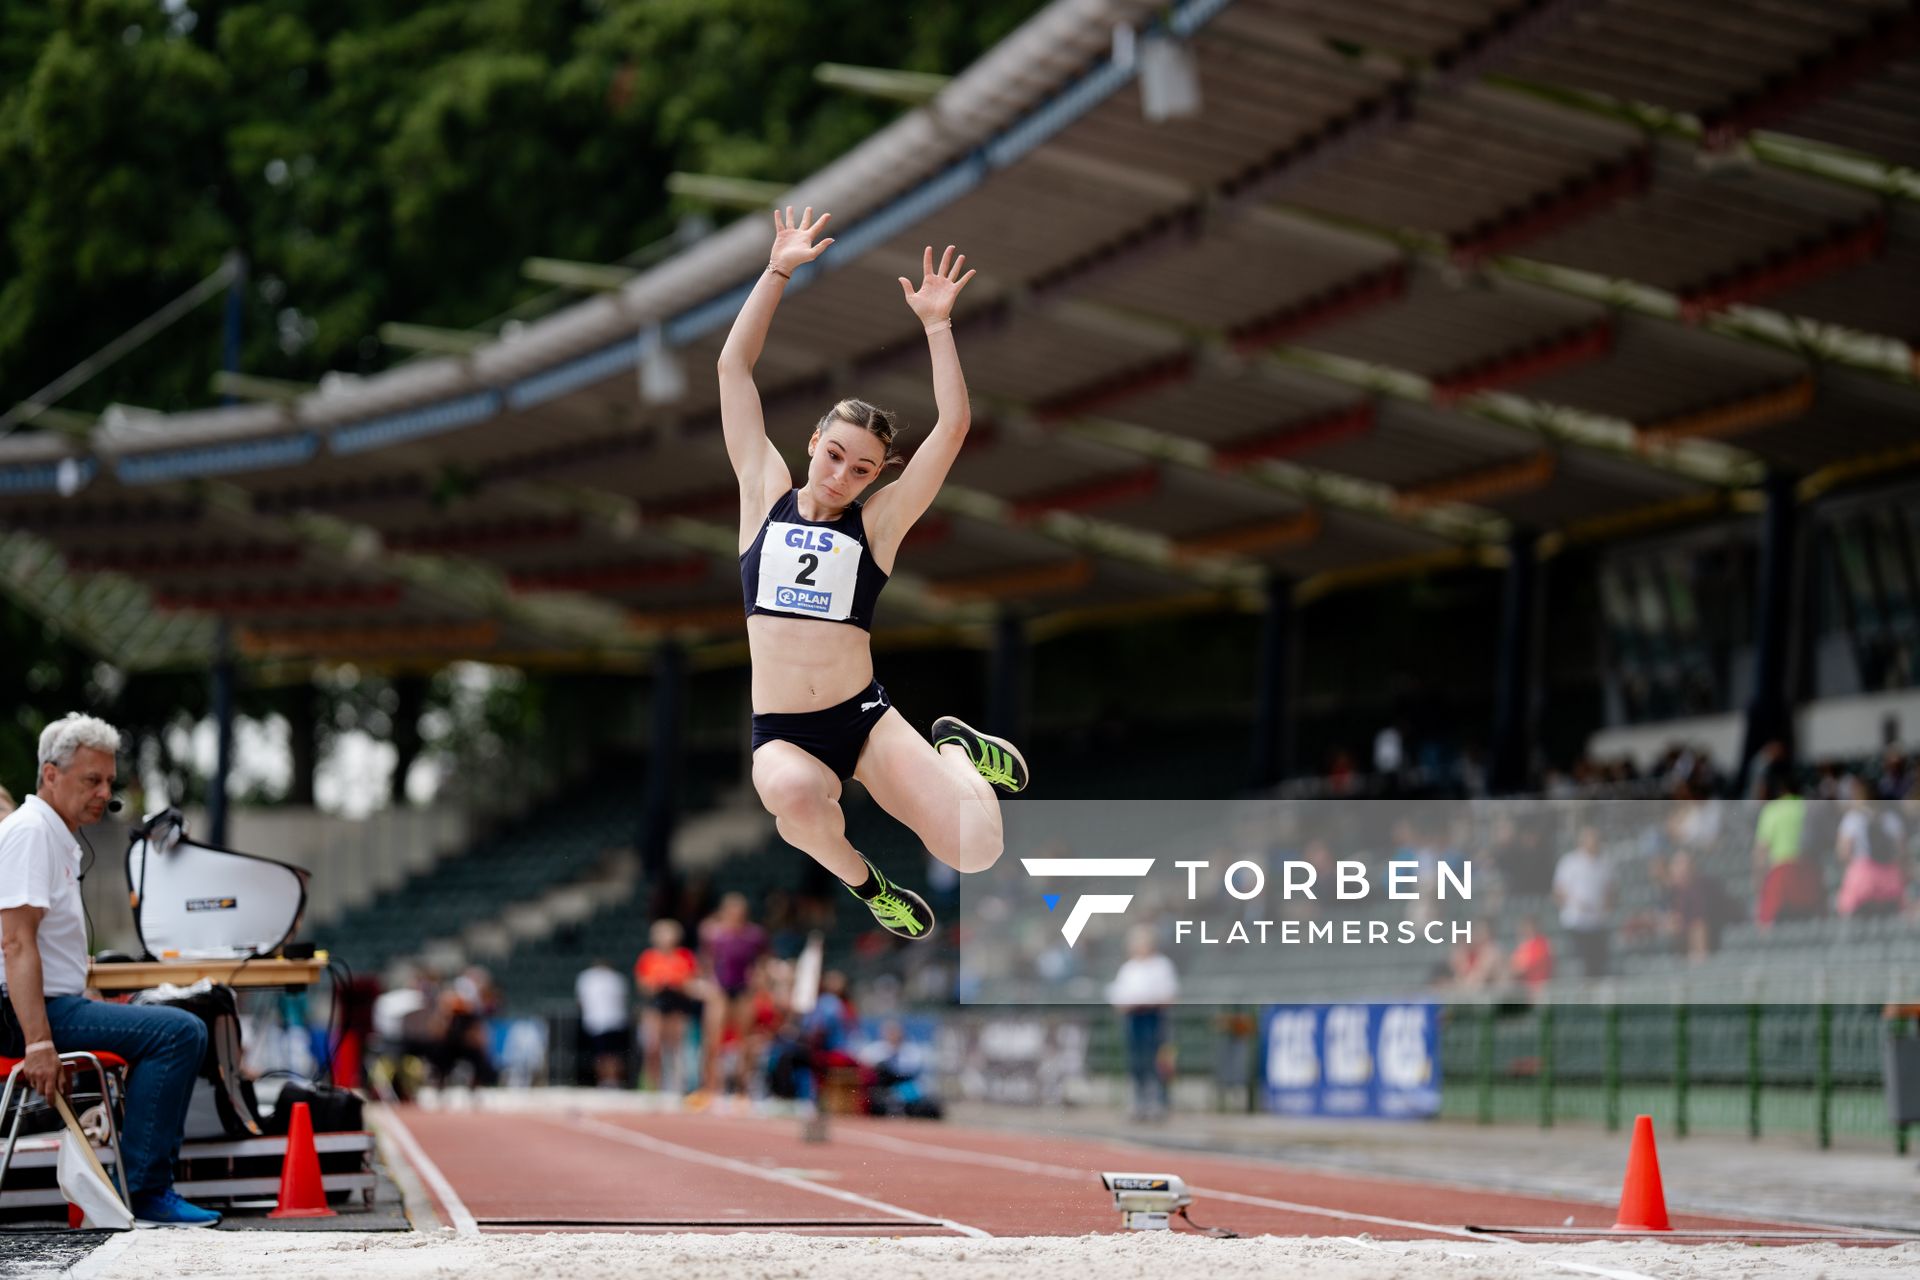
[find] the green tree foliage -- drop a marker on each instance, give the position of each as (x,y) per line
(387,161)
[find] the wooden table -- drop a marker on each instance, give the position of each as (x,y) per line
(265,972)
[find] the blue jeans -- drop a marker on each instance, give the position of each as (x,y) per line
(163,1048)
(1146,1029)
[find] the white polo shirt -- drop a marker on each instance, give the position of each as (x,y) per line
(40,867)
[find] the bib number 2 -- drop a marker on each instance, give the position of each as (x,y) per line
(808,571)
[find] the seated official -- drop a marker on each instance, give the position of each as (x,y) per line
(43,944)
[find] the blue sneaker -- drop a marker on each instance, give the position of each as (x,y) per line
(167,1209)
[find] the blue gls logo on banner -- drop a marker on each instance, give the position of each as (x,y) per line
(1353,1060)
(795,598)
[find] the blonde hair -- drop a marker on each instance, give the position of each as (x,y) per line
(858,413)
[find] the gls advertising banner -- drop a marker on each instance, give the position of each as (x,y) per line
(1353,1059)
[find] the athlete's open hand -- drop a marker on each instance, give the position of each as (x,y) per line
(793,244)
(934,299)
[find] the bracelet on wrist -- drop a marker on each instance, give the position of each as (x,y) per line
(784,275)
(38,1044)
(938,325)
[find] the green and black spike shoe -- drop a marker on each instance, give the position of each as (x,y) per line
(899,911)
(998,760)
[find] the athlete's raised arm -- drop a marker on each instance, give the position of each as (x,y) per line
(892,511)
(756,463)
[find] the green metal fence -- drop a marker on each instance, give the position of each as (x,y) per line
(1815,1070)
(1754,1069)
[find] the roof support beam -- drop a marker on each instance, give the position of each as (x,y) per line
(1794,155)
(1609,181)
(422,337)
(731,193)
(1317,432)
(1845,248)
(1748,413)
(1002,585)
(1576,347)
(247,386)
(1296,530)
(1500,480)
(587,277)
(1088,495)
(1846,62)
(914,87)
(1454,523)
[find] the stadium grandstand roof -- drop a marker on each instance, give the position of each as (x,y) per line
(1411,278)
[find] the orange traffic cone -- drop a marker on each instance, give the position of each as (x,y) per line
(301,1195)
(1643,1205)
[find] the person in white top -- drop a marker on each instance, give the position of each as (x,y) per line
(1583,888)
(606,1000)
(43,971)
(1146,984)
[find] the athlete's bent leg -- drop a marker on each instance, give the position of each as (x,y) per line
(939,794)
(803,795)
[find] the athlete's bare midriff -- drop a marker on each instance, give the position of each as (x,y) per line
(802,664)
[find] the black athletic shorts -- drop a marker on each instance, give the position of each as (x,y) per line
(833,736)
(671,1000)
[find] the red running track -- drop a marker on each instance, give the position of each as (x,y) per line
(544,1171)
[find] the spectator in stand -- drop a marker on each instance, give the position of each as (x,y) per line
(841,1082)
(605,999)
(1389,754)
(1695,823)
(1786,878)
(1697,907)
(1340,772)
(1872,850)
(1146,984)
(730,943)
(1532,961)
(1896,778)
(1769,760)
(1473,965)
(668,976)
(1583,890)
(459,1032)
(898,1065)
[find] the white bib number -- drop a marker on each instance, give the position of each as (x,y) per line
(809,571)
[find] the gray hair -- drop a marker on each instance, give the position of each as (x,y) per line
(59,740)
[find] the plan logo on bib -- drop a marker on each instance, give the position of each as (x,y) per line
(809,601)
(1088,905)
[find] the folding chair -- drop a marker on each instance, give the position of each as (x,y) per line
(110,1069)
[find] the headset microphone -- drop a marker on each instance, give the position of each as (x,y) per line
(114,806)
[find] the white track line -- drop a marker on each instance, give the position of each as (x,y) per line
(614,1133)
(463,1223)
(960,1155)
(101,1260)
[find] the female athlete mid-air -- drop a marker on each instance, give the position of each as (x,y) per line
(813,561)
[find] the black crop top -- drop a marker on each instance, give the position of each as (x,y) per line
(799,568)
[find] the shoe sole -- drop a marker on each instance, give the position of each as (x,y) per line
(1001,743)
